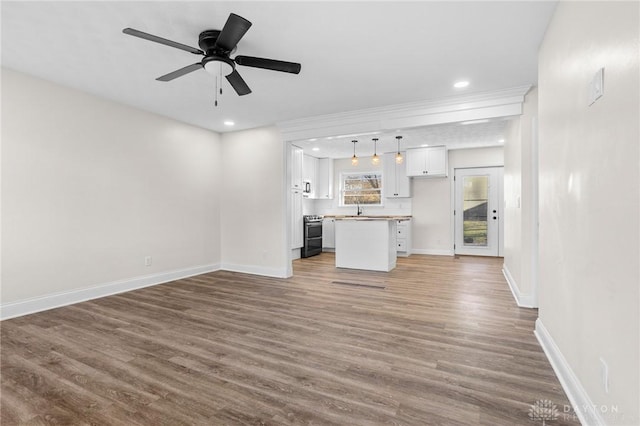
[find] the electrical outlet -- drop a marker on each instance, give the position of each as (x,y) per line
(604,373)
(147,261)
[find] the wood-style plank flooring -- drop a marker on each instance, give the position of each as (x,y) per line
(442,343)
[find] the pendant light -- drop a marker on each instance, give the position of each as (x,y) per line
(354,159)
(375,160)
(399,157)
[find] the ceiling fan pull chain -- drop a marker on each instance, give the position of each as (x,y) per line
(216,92)
(220,77)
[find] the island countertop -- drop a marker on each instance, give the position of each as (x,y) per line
(364,217)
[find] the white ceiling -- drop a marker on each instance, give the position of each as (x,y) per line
(354,55)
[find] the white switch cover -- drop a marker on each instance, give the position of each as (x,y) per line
(596,86)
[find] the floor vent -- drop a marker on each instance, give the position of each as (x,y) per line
(359,284)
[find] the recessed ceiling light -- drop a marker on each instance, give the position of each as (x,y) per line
(229,123)
(460,84)
(313,140)
(315,148)
(424,144)
(501,141)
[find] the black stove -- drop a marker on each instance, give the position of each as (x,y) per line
(312,237)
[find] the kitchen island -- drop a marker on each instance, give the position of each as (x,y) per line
(366,242)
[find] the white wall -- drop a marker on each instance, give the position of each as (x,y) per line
(431,205)
(90,187)
(254,232)
(590,204)
(520,202)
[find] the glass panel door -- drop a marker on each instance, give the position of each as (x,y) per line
(475,208)
(478,208)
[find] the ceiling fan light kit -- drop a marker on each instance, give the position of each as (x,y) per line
(217,46)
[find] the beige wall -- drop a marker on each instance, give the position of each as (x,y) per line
(520,202)
(254,234)
(589,199)
(432,231)
(91,187)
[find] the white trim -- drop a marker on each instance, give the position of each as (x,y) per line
(56,300)
(523,300)
(432,252)
(570,383)
(256,270)
(500,103)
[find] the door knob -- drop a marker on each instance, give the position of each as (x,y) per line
(495,211)
(495,217)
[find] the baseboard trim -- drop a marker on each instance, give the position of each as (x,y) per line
(576,393)
(256,270)
(57,300)
(432,252)
(523,300)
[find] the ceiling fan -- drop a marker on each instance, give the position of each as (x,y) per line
(216,47)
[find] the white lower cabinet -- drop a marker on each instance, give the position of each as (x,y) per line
(329,234)
(403,238)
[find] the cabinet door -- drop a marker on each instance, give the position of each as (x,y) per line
(396,183)
(427,162)
(296,219)
(437,161)
(324,188)
(296,167)
(329,233)
(416,160)
(403,182)
(309,175)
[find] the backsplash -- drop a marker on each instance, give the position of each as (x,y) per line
(391,207)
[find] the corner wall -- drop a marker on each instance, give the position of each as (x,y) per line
(521,203)
(254,235)
(91,187)
(590,207)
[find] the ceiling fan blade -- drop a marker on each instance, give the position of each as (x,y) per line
(234,29)
(161,40)
(238,83)
(180,72)
(268,64)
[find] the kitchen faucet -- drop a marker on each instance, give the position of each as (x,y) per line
(359,210)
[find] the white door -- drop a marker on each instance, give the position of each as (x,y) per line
(478,211)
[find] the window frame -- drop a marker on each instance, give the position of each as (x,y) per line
(343,176)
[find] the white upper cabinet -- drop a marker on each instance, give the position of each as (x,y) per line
(427,162)
(297,156)
(396,183)
(309,176)
(324,173)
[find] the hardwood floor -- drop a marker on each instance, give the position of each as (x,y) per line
(436,341)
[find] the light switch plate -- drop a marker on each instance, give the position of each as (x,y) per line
(596,86)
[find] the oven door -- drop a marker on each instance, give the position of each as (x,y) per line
(313,230)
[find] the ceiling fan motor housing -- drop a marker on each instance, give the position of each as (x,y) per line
(216,59)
